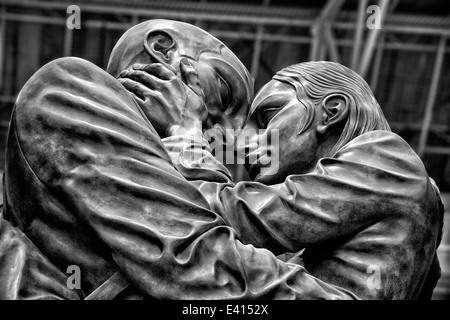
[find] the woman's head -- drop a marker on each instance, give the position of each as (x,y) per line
(315,81)
(312,110)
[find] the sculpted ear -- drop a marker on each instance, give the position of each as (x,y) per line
(161,46)
(335,109)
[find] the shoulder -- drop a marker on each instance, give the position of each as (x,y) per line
(373,140)
(385,150)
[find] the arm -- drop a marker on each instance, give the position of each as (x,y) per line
(341,197)
(90,148)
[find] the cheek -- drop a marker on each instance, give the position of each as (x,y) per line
(293,146)
(284,145)
(289,134)
(295,150)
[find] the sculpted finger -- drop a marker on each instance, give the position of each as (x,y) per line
(143,77)
(157,69)
(158,97)
(135,87)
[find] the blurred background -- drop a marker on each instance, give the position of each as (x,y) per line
(406,62)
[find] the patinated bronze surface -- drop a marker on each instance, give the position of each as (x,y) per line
(361,203)
(94,179)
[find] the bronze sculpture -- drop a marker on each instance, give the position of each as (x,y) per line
(89,181)
(350,192)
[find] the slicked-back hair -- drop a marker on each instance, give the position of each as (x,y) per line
(316,80)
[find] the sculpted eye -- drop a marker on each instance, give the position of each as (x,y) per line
(269,112)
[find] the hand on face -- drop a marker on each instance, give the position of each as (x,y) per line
(166,100)
(225,82)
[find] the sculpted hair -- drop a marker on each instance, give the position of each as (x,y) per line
(314,81)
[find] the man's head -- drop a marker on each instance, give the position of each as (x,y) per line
(226,83)
(315,108)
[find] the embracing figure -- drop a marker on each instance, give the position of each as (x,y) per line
(99,174)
